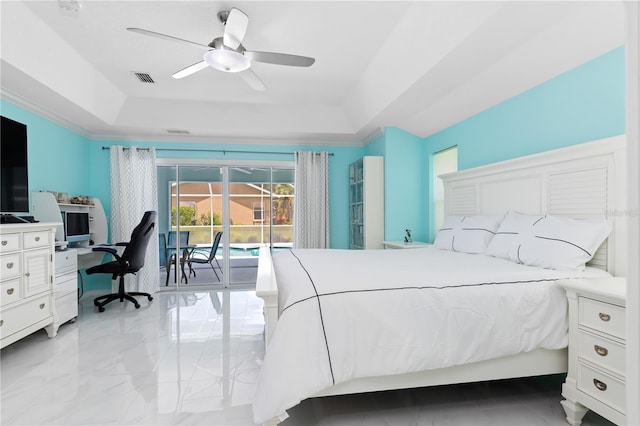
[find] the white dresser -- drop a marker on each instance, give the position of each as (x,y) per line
(26,277)
(66,286)
(596,377)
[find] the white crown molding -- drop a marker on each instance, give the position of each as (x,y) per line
(18,100)
(285,139)
(302,140)
(379,131)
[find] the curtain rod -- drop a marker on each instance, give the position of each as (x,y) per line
(223,151)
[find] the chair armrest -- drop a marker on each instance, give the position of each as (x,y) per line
(110,250)
(121,244)
(113,252)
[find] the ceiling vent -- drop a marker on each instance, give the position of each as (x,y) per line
(143,77)
(178,132)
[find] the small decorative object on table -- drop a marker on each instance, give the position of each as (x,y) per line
(407,238)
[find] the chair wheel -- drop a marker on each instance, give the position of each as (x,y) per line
(137,306)
(100,309)
(150,298)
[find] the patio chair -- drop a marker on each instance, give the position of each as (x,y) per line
(202,257)
(170,259)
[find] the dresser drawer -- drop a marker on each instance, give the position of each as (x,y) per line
(10,242)
(36,239)
(10,266)
(602,387)
(22,316)
(602,352)
(10,291)
(602,316)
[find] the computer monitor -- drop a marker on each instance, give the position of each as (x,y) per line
(76,226)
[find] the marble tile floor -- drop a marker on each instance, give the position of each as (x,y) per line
(243,272)
(193,359)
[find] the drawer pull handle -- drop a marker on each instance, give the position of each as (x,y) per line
(601,386)
(37,238)
(42,306)
(28,274)
(5,242)
(604,317)
(9,265)
(600,350)
(10,291)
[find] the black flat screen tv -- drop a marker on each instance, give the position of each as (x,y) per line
(14,177)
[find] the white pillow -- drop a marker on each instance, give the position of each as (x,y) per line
(467,234)
(548,241)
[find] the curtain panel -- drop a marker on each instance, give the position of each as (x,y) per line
(311,206)
(133,192)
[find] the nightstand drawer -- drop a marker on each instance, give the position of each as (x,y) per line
(602,387)
(602,352)
(602,316)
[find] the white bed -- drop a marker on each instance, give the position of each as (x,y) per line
(583,181)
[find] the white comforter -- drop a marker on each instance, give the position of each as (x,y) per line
(348,314)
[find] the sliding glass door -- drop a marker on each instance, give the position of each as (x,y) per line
(245,207)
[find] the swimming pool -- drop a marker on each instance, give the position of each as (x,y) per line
(237,251)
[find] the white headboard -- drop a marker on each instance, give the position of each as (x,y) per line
(581,181)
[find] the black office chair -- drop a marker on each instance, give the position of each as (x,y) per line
(200,257)
(131,261)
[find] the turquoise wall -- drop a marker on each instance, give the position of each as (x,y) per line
(57,157)
(404,178)
(581,105)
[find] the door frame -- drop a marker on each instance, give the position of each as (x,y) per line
(224,165)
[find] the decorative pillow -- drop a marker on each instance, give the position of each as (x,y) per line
(467,234)
(548,241)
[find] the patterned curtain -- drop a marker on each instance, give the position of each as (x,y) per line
(311,206)
(134,191)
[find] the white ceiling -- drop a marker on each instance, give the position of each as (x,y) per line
(420,66)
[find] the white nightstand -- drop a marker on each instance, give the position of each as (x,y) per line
(596,377)
(403,245)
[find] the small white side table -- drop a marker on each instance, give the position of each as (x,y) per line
(596,377)
(403,245)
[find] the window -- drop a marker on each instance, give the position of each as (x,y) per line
(444,162)
(258,211)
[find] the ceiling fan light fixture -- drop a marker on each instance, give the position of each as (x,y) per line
(226,60)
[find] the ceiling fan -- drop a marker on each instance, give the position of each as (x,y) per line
(227,53)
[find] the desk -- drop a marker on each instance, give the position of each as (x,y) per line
(88,258)
(186,251)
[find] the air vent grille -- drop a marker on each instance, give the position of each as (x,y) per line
(178,132)
(144,77)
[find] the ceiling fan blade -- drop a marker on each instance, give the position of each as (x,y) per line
(252,79)
(280,58)
(167,37)
(191,69)
(235,28)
